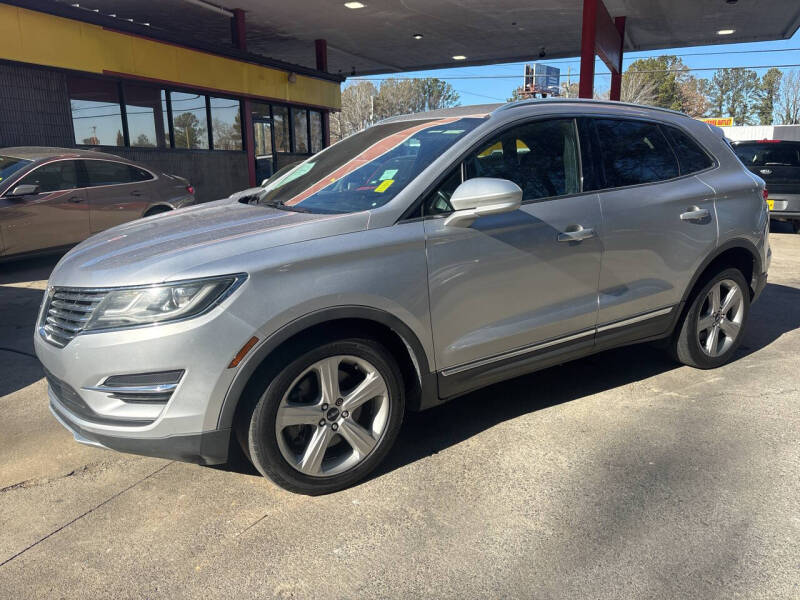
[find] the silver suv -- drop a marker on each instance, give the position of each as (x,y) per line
(421,259)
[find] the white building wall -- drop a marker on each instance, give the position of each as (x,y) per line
(762,132)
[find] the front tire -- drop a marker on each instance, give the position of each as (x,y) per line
(328,418)
(713,326)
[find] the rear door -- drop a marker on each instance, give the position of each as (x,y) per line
(659,222)
(118,192)
(510,283)
(58,215)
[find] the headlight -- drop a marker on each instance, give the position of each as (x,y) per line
(148,305)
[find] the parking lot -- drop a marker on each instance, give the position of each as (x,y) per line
(618,476)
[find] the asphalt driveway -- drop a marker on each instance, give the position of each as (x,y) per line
(618,476)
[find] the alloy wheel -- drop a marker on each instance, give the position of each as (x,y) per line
(720,319)
(332,416)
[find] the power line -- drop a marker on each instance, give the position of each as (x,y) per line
(686,70)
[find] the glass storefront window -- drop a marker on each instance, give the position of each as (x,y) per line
(189,120)
(226,124)
(280,117)
(300,123)
(144,110)
(316,130)
(96,112)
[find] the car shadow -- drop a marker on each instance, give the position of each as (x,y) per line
(432,431)
(20,297)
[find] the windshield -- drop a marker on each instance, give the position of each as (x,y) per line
(9,165)
(365,170)
(763,154)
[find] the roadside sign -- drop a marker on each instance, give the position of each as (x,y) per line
(719,121)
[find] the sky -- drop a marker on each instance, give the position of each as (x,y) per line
(499,89)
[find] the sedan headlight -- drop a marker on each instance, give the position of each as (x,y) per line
(148,305)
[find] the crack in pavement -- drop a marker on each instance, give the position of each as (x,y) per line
(22,352)
(91,510)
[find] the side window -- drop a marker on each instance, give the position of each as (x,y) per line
(634,152)
(438,202)
(138,174)
(540,157)
(59,175)
(691,157)
(103,172)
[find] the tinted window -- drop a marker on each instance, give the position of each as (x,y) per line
(60,175)
(144,111)
(365,170)
(226,124)
(96,112)
(280,117)
(103,172)
(762,154)
(300,123)
(634,152)
(540,157)
(691,157)
(138,174)
(316,130)
(189,122)
(9,164)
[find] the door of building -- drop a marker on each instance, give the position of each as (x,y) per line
(264,156)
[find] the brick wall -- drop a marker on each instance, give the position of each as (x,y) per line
(34,111)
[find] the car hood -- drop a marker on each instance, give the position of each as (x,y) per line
(178,244)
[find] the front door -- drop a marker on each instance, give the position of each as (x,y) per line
(58,215)
(262,135)
(513,284)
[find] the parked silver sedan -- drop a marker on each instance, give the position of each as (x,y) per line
(52,198)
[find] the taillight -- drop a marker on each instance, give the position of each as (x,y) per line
(190,189)
(765,193)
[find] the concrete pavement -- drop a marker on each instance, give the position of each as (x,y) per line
(621,475)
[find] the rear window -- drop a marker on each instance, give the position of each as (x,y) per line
(367,169)
(769,154)
(9,165)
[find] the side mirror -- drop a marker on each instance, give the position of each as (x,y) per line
(265,182)
(480,197)
(23,190)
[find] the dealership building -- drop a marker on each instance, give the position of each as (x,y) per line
(225,92)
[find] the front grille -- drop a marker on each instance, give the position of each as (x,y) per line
(67,312)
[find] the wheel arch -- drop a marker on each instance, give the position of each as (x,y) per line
(158,208)
(404,345)
(740,253)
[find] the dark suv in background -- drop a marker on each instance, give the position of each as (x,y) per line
(52,198)
(777,162)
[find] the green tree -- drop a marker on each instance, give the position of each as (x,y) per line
(120,138)
(734,93)
(769,88)
(188,131)
(663,74)
(144,141)
(403,96)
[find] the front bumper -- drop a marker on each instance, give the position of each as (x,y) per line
(183,426)
(207,448)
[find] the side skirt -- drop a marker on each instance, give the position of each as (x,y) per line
(461,380)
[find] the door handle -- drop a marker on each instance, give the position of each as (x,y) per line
(136,193)
(576,233)
(75,199)
(695,213)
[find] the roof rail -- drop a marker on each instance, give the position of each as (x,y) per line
(531,101)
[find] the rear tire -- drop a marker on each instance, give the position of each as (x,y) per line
(713,326)
(314,433)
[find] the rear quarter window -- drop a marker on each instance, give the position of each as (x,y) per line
(691,157)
